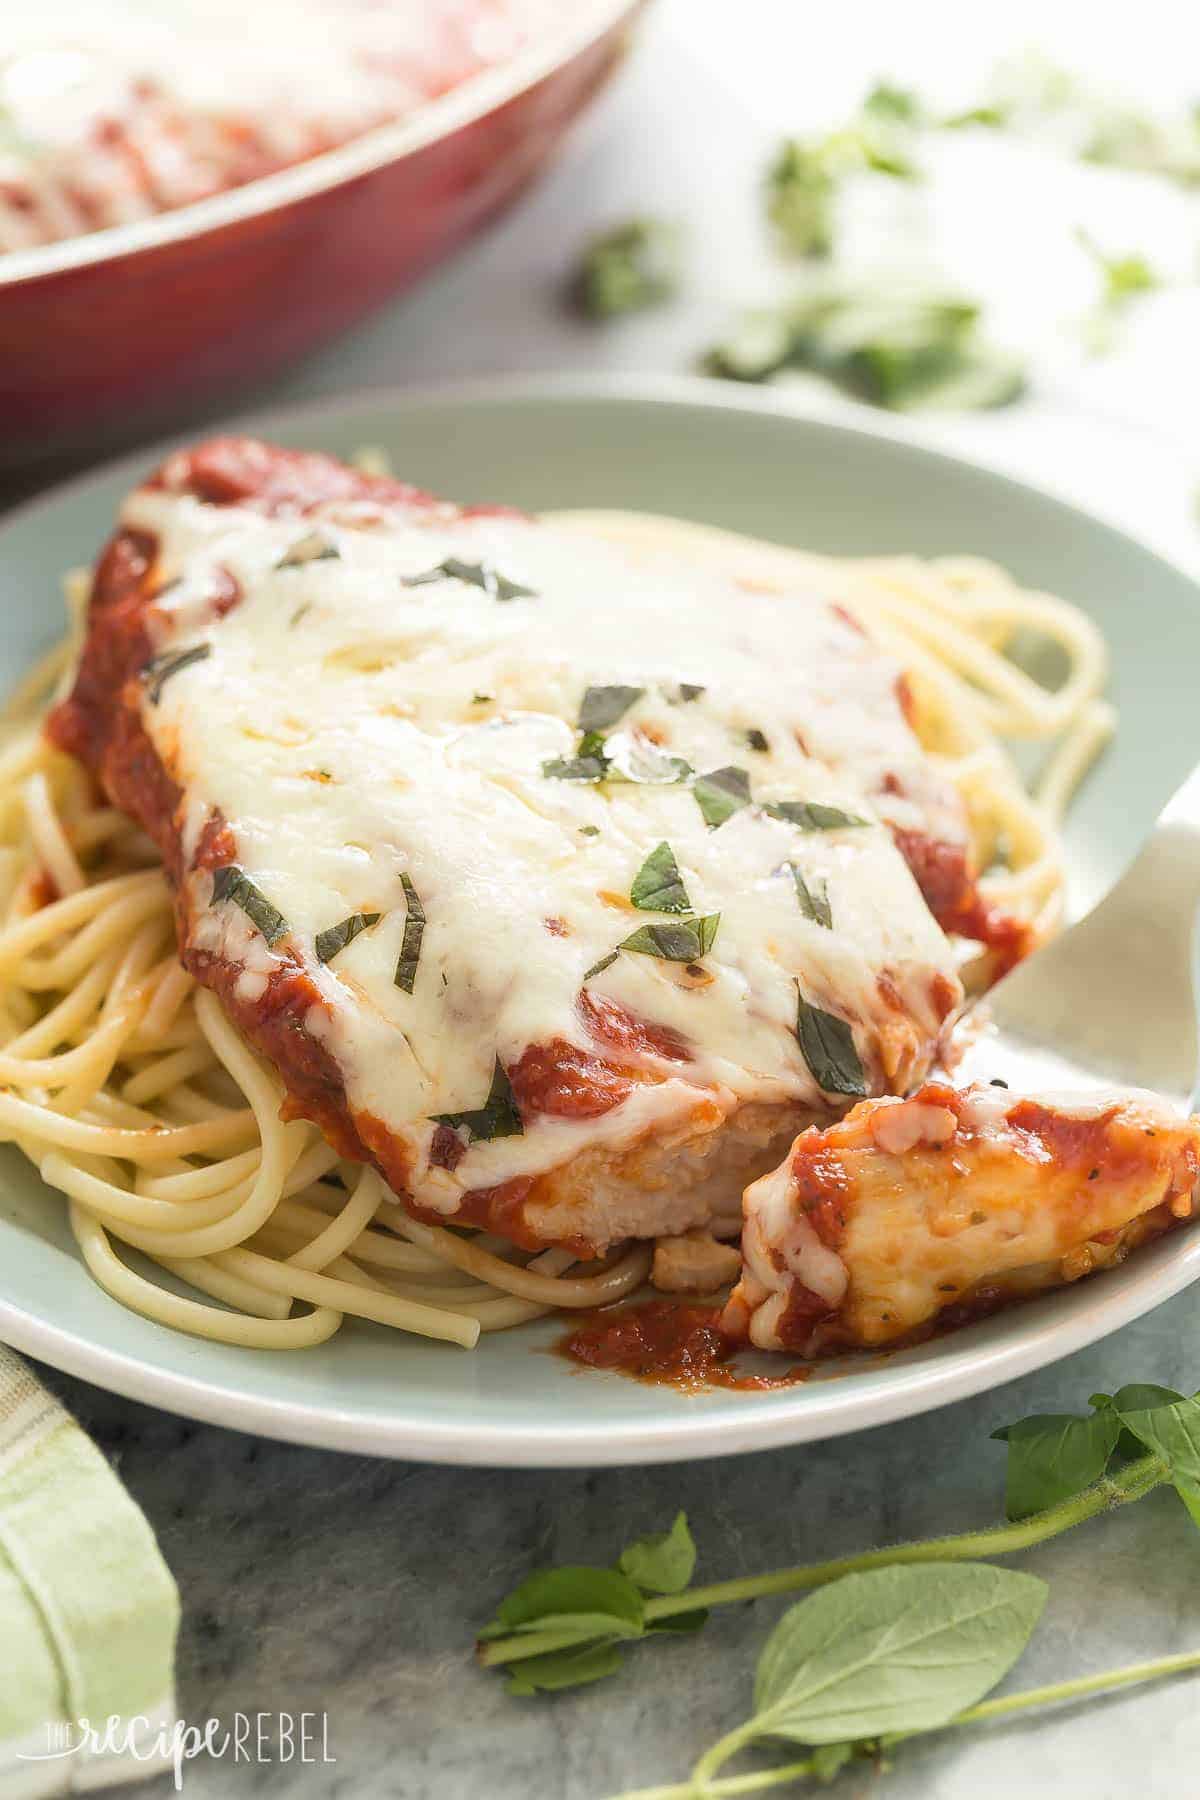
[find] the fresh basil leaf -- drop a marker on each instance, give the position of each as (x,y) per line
(598,968)
(1172,1432)
(233,883)
(893,1649)
(314,546)
(812,815)
(159,670)
(573,1593)
(1189,1493)
(589,831)
(757,740)
(814,901)
(481,575)
(721,793)
(559,1669)
(679,940)
(664,1562)
(636,759)
(410,945)
(683,1623)
(336,937)
(827,1045)
(1136,1396)
(1139,1396)
(603,706)
(498,1117)
(1052,1456)
(658,885)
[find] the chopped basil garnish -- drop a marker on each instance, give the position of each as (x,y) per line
(814,901)
(658,885)
(679,940)
(619,758)
(812,815)
(482,699)
(686,692)
(497,1118)
(314,546)
(827,1044)
(638,760)
(757,739)
(481,575)
(721,793)
(603,706)
(410,947)
(589,831)
(336,937)
(590,764)
(605,962)
(301,612)
(233,883)
(159,670)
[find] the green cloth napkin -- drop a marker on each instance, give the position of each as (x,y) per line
(88,1609)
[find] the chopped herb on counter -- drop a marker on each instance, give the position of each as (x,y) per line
(627,269)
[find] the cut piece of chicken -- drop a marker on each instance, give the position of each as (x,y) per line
(946,1205)
(695,1263)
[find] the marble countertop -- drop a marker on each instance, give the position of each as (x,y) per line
(352,1588)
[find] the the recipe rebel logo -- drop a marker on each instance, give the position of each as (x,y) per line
(171,1743)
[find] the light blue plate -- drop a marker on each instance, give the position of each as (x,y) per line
(729,458)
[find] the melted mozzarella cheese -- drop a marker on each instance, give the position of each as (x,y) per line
(353,729)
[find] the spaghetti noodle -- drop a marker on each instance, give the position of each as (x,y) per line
(131,1093)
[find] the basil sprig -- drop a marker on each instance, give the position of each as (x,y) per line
(232,883)
(481,575)
(658,885)
(414,930)
(335,937)
(618,758)
(314,546)
(159,670)
(827,1044)
(498,1117)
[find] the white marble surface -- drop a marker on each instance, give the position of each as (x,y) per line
(314,1581)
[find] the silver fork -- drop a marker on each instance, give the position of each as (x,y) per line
(1111,1000)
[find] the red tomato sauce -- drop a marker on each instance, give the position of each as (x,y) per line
(665,1344)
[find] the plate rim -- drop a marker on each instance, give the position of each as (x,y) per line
(822,1410)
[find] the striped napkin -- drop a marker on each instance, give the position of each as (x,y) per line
(88,1609)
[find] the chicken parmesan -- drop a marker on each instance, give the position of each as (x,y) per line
(439,916)
(945,1205)
(562,887)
